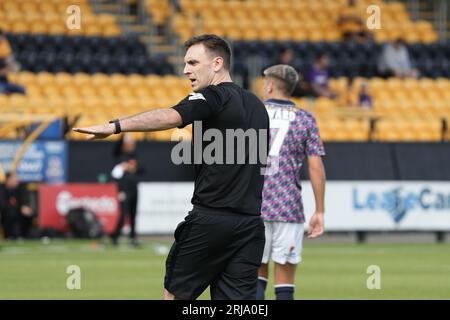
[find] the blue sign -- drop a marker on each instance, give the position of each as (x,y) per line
(43,161)
(53,132)
(398,202)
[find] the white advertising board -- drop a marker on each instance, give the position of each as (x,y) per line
(350,205)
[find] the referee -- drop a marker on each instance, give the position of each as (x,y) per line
(221,241)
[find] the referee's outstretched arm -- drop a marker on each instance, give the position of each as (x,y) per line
(153,120)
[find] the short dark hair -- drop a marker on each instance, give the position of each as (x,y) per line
(215,44)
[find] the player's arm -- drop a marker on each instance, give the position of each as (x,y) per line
(317,176)
(198,106)
(153,120)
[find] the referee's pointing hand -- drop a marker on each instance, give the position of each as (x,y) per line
(97,132)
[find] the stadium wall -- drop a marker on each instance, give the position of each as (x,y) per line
(93,161)
(362,206)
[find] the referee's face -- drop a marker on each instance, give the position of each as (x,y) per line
(199,66)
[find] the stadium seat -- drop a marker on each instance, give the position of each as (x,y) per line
(49,17)
(318,19)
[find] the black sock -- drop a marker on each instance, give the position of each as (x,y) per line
(262,284)
(284,292)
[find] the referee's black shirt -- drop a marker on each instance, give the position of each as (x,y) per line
(232,187)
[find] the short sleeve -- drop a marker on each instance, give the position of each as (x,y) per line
(200,105)
(314,146)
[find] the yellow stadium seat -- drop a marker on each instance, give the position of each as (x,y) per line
(44,78)
(332,35)
(33,90)
(20,27)
(51,90)
(325,104)
(56,28)
(233,33)
(300,35)
(17,101)
(250,34)
(124,92)
(429,37)
(81,79)
(92,30)
(105,91)
(74,32)
(266,35)
(315,35)
(111,31)
(283,34)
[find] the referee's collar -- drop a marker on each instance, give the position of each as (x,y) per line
(280,102)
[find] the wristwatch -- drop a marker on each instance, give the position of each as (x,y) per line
(116,122)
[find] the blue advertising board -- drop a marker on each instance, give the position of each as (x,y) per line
(43,161)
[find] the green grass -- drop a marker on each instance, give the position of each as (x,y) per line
(33,270)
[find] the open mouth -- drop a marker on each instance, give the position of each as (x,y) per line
(193,81)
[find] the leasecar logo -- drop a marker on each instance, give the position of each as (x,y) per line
(66,201)
(398,202)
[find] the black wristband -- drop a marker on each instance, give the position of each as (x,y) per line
(116,122)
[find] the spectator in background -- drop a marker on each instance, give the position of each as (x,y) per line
(351,24)
(125,173)
(287,57)
(16,215)
(318,78)
(395,61)
(364,97)
(7,65)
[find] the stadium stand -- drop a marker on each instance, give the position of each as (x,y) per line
(50,17)
(60,53)
(404,110)
(96,98)
(101,71)
(286,20)
(348,59)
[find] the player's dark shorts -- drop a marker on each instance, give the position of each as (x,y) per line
(216,248)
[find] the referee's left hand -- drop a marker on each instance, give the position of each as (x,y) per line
(316,225)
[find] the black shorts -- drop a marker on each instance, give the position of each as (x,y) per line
(217,249)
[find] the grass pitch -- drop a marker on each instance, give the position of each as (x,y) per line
(34,270)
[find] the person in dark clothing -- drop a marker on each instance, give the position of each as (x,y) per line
(319,77)
(125,173)
(7,65)
(287,57)
(16,214)
(221,241)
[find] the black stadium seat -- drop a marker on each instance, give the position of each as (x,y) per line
(86,54)
(348,59)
